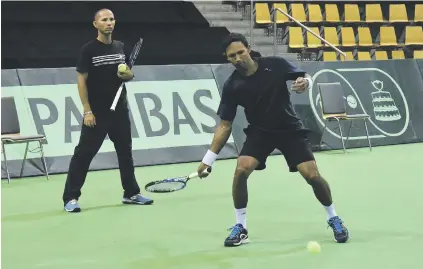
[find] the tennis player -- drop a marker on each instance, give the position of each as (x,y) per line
(259,85)
(98,82)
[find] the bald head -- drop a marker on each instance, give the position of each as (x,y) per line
(100,12)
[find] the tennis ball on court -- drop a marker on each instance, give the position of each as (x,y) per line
(313,247)
(122,68)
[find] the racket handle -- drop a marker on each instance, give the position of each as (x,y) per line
(115,101)
(207,171)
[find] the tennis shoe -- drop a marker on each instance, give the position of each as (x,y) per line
(137,199)
(72,206)
(237,237)
(340,232)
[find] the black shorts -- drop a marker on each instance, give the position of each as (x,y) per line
(295,147)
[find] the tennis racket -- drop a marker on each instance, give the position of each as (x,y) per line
(132,57)
(172,184)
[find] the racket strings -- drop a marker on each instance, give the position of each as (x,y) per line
(166,186)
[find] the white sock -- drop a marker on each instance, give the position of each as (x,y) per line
(241,216)
(330,211)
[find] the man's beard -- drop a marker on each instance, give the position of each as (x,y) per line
(242,67)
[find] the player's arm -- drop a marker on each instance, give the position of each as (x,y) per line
(302,80)
(221,136)
(126,75)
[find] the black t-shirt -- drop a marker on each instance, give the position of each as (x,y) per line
(264,96)
(101,62)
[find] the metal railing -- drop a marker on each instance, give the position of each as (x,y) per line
(273,14)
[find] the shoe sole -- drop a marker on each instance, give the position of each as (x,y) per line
(243,241)
(135,203)
(75,210)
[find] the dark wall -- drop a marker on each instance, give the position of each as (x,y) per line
(50,34)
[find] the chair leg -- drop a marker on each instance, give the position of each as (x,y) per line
(5,162)
(367,133)
(43,159)
(348,134)
(323,132)
(340,131)
(24,159)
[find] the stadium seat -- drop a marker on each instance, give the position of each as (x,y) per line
(331,35)
(350,56)
(364,37)
(312,41)
(262,13)
(381,55)
(296,39)
(364,56)
(298,12)
(398,54)
(280,18)
(351,13)
(418,54)
(332,13)
(397,13)
(413,35)
(418,13)
(329,56)
(314,13)
(388,36)
(374,13)
(347,36)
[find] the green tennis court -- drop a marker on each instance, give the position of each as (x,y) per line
(378,194)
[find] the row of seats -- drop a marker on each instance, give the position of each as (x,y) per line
(366,56)
(373,13)
(347,38)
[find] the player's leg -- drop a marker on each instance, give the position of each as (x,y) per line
(299,156)
(253,156)
(90,142)
(120,135)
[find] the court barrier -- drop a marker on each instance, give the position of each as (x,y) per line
(173,111)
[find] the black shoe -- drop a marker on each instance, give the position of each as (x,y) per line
(238,236)
(340,232)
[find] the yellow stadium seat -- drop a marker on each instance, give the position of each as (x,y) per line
(373,13)
(363,56)
(418,54)
(397,13)
(314,13)
(298,12)
(413,35)
(347,36)
(388,36)
(332,13)
(280,18)
(329,56)
(331,35)
(398,54)
(418,13)
(296,39)
(381,55)
(364,37)
(350,56)
(312,41)
(352,13)
(262,13)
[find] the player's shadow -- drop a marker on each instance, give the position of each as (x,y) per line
(54,213)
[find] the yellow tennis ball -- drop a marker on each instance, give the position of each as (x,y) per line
(122,68)
(313,247)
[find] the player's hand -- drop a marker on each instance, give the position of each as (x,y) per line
(126,75)
(300,85)
(89,120)
(201,168)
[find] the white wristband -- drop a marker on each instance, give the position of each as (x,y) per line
(209,158)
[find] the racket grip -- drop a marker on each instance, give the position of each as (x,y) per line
(115,101)
(207,171)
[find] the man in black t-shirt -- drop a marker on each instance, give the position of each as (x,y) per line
(98,82)
(259,85)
